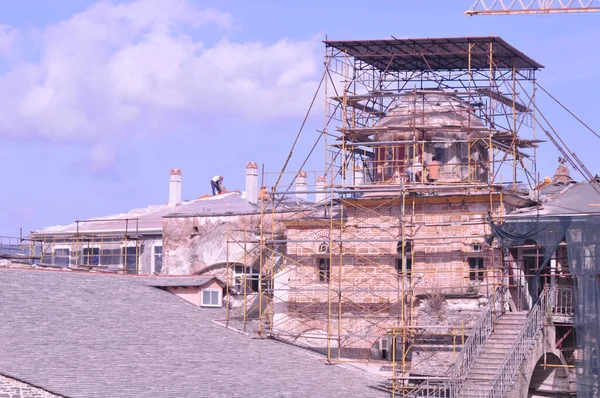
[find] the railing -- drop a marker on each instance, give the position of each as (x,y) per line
(466,358)
(560,300)
(508,370)
(12,246)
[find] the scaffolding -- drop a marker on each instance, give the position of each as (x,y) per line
(426,141)
(105,245)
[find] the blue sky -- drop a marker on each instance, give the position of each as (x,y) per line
(101,99)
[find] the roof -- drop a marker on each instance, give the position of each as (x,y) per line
(177,280)
(435,53)
(96,335)
(220,205)
(149,219)
(562,200)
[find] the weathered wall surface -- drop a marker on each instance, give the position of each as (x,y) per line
(366,276)
(11,388)
(191,244)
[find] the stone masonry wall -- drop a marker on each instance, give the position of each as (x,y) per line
(364,274)
(11,388)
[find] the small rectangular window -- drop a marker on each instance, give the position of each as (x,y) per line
(130,259)
(62,257)
(400,269)
(111,257)
(324,270)
(439,153)
(476,273)
(211,298)
(90,256)
(157,259)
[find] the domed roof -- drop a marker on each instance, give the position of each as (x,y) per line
(442,116)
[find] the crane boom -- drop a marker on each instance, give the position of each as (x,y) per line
(500,7)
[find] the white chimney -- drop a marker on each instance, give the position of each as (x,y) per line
(252,182)
(321,194)
(359,176)
(301,185)
(175,187)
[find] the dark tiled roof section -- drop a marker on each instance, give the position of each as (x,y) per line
(97,335)
(167,281)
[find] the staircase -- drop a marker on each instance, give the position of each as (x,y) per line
(488,363)
(480,378)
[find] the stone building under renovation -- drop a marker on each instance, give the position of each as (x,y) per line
(431,253)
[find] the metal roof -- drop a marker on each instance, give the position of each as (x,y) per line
(435,53)
(97,335)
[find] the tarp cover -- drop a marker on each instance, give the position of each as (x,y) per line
(582,236)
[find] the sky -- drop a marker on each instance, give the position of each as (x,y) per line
(100,99)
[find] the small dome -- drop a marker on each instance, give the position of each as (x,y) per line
(445,117)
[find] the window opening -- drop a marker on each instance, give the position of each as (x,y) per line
(324,269)
(211,298)
(157,259)
(247,274)
(476,273)
(323,247)
(62,257)
(130,259)
(90,256)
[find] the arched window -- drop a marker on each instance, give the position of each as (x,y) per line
(323,247)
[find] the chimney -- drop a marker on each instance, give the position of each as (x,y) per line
(359,176)
(175,187)
(301,185)
(252,182)
(321,194)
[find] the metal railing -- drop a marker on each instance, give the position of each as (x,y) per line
(467,356)
(509,368)
(561,301)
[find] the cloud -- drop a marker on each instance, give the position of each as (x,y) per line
(101,157)
(8,41)
(146,67)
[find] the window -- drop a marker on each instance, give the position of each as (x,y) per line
(406,265)
(130,256)
(476,247)
(90,256)
(439,153)
(324,270)
(211,298)
(62,257)
(157,258)
(111,257)
(404,268)
(323,247)
(245,276)
(476,269)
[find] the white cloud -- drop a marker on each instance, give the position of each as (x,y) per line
(8,41)
(101,157)
(139,68)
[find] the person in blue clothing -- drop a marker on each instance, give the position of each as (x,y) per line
(216,183)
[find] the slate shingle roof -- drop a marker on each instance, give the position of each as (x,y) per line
(97,335)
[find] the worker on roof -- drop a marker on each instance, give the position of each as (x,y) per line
(216,183)
(264,195)
(433,170)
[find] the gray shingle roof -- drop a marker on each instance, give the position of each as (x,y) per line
(98,335)
(175,280)
(571,199)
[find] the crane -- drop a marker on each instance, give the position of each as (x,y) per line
(503,7)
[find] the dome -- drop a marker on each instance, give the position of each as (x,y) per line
(444,117)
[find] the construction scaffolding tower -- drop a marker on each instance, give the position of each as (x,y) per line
(426,140)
